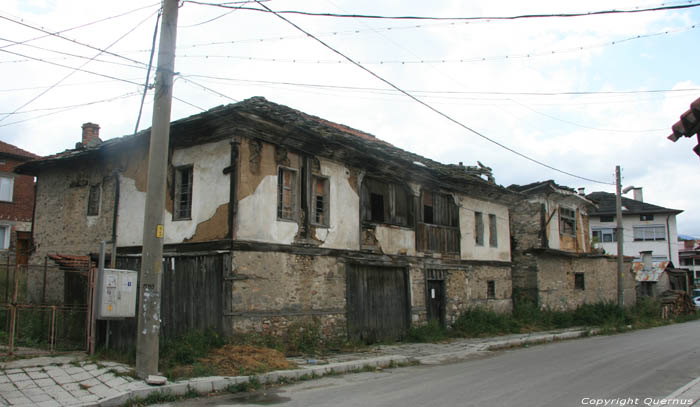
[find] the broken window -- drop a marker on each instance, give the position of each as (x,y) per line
(493,234)
(286,191)
(647,233)
(93,208)
(319,201)
(183,193)
(439,229)
(567,221)
(579,282)
(491,289)
(479,228)
(386,203)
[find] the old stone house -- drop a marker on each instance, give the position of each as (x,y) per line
(16,205)
(554,262)
(275,217)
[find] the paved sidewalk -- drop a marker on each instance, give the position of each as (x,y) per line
(74,381)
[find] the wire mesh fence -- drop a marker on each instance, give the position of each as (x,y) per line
(44,308)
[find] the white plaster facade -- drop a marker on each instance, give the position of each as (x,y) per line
(662,250)
(469,249)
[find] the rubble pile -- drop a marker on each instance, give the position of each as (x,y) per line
(674,303)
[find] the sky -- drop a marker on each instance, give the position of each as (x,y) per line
(580,94)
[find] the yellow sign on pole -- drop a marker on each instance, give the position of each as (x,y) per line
(159,231)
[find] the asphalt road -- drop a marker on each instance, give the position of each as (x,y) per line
(649,363)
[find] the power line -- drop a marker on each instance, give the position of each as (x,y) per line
(209,89)
(148,74)
(58,86)
(515,17)
(83,25)
(102,51)
(68,107)
(444,115)
(426,61)
(74,70)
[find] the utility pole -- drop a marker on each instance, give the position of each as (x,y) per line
(620,237)
(152,257)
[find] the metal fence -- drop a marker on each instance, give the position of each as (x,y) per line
(43,308)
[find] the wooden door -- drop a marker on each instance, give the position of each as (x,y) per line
(377,303)
(436,301)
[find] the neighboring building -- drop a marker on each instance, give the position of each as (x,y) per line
(689,259)
(554,263)
(16,204)
(646,227)
(653,278)
(298,219)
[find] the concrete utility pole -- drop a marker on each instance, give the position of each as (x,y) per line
(620,237)
(152,257)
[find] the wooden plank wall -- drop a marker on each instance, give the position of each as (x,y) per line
(193,298)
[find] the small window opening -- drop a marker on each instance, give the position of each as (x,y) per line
(491,289)
(579,282)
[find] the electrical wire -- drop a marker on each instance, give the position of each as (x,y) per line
(59,86)
(444,115)
(148,74)
(84,25)
(74,70)
(515,17)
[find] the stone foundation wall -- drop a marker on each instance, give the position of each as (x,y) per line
(556,281)
(468,288)
(272,290)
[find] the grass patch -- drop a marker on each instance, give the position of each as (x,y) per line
(158,397)
(430,332)
(252,384)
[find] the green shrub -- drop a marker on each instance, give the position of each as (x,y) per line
(478,321)
(430,332)
(186,349)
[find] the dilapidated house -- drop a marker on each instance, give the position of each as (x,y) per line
(554,262)
(275,217)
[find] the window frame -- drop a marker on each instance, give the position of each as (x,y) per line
(612,232)
(567,216)
(391,194)
(607,218)
(646,218)
(644,230)
(5,241)
(293,195)
(10,189)
(178,214)
(94,202)
(493,230)
(326,210)
(478,228)
(580,281)
(491,289)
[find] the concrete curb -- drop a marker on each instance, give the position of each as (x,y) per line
(206,385)
(684,389)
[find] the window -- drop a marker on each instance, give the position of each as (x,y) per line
(567,221)
(604,235)
(647,233)
(439,209)
(183,193)
(579,282)
(479,228)
(646,217)
(93,208)
(493,234)
(607,218)
(6,187)
(4,237)
(386,203)
(490,289)
(286,191)
(319,203)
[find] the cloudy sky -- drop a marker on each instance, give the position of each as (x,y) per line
(581,94)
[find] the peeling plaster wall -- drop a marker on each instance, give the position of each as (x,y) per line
(210,190)
(343,232)
(396,240)
(469,249)
(257,216)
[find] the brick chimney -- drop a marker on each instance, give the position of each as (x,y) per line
(91,135)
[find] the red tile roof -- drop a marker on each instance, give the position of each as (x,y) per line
(13,150)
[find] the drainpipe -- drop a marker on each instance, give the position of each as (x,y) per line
(36,190)
(115,218)
(668,239)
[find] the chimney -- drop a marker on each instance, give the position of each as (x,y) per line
(582,191)
(91,135)
(638,194)
(646,260)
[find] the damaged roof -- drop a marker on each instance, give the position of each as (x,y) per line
(688,125)
(547,186)
(278,124)
(14,151)
(607,206)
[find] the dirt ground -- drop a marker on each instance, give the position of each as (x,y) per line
(233,360)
